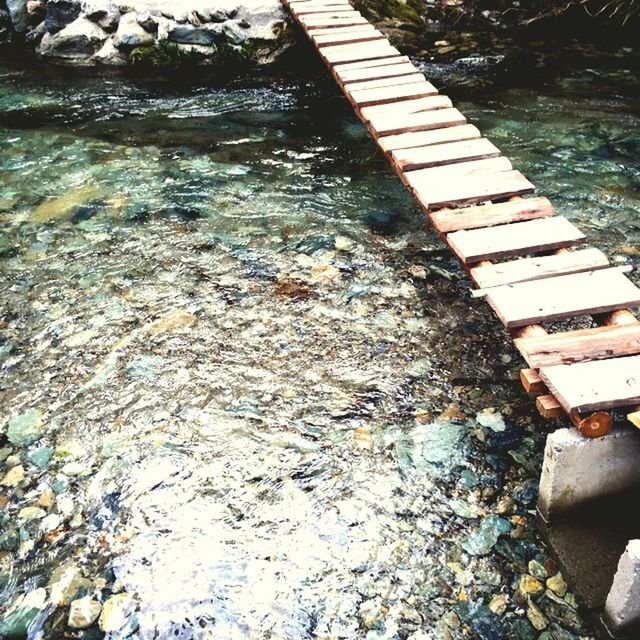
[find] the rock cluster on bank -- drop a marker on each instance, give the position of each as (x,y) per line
(120,32)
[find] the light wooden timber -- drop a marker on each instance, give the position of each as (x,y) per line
(592,386)
(597,343)
(382,83)
(436,191)
(438,117)
(563,297)
(489,215)
(519,238)
(634,418)
(443,154)
(326,40)
(370,64)
(408,107)
(549,407)
(326,20)
(334,31)
(619,317)
(425,138)
(314,9)
(538,267)
(378,49)
(532,382)
(385,95)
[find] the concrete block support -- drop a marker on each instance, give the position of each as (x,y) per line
(622,609)
(578,470)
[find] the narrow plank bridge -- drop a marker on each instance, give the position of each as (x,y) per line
(518,252)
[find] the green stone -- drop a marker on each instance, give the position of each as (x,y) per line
(40,457)
(25,429)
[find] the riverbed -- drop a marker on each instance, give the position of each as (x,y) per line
(245,390)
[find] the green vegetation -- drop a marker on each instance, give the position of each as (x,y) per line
(169,55)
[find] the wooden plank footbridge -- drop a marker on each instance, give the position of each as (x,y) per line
(518,252)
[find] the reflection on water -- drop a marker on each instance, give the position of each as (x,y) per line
(245,395)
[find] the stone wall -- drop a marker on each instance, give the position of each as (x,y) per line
(119,32)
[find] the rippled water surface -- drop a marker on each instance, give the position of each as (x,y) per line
(245,392)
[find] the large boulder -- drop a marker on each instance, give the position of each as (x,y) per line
(131,34)
(75,43)
(188,34)
(18,13)
(60,13)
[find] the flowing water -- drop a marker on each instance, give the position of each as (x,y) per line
(245,392)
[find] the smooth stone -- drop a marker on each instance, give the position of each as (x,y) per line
(130,34)
(65,582)
(50,523)
(13,477)
(108,54)
(537,570)
(32,513)
(528,587)
(83,613)
(536,617)
(40,457)
(188,34)
(25,429)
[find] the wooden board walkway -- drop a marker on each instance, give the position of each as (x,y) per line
(515,248)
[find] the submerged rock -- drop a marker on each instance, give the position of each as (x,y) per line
(16,621)
(483,540)
(25,429)
(83,612)
(115,612)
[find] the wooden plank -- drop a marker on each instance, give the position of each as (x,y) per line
(467,189)
(538,267)
(358,28)
(326,20)
(370,97)
(532,382)
(301,10)
(386,125)
(443,154)
(381,83)
(371,64)
(519,238)
(358,52)
(431,176)
(425,138)
(597,343)
(408,107)
(489,215)
(562,297)
(591,386)
(325,40)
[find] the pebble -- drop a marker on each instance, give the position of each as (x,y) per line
(65,582)
(536,617)
(13,477)
(83,612)
(498,604)
(538,570)
(25,429)
(528,587)
(47,499)
(32,513)
(558,585)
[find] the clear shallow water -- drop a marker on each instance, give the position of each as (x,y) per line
(254,416)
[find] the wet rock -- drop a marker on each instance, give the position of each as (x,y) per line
(75,43)
(109,54)
(147,21)
(383,223)
(83,613)
(314,244)
(172,321)
(144,368)
(538,570)
(130,34)
(558,585)
(233,32)
(50,523)
(19,15)
(188,34)
(60,13)
(115,612)
(491,419)
(498,604)
(35,35)
(13,477)
(528,587)
(25,429)
(483,540)
(35,9)
(22,613)
(9,538)
(536,617)
(65,582)
(32,513)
